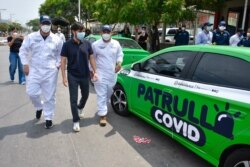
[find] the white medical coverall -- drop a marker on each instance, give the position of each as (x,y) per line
(234,40)
(106,55)
(44,63)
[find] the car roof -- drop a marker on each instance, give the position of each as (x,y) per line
(240,52)
(113,36)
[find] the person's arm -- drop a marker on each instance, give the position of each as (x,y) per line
(119,59)
(63,69)
(58,54)
(227,42)
(11,40)
(240,43)
(24,53)
(214,38)
(63,38)
(93,67)
(198,39)
(231,40)
(187,38)
(64,54)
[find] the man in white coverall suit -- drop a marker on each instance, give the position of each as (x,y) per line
(109,56)
(41,69)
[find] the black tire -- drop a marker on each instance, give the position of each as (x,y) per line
(238,158)
(119,101)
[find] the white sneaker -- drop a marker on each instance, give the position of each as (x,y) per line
(76,127)
(81,113)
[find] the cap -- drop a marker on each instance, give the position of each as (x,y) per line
(44,19)
(222,23)
(207,24)
(106,27)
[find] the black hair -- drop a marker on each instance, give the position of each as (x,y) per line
(77,26)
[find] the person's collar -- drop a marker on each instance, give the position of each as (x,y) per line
(205,31)
(75,41)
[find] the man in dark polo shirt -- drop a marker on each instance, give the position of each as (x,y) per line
(15,41)
(77,53)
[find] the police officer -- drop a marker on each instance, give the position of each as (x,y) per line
(246,40)
(109,56)
(221,35)
(42,68)
(205,36)
(182,36)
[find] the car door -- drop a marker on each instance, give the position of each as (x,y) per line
(153,87)
(218,94)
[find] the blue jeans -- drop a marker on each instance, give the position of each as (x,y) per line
(14,62)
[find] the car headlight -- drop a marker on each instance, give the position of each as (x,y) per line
(125,72)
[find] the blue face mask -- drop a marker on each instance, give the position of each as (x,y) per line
(80,35)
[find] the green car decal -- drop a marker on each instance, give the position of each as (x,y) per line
(224,121)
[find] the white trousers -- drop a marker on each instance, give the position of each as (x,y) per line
(104,92)
(41,90)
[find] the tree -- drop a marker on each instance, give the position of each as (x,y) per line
(34,24)
(15,25)
(57,8)
(4,27)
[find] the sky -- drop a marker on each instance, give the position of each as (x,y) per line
(21,11)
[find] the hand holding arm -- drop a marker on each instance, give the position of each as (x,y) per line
(94,76)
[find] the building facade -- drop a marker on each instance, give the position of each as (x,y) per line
(236,13)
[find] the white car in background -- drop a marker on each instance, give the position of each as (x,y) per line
(3,41)
(170,33)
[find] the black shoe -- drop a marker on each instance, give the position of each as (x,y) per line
(38,114)
(48,124)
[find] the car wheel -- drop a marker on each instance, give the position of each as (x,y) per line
(239,158)
(119,101)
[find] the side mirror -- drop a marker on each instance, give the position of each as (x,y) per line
(137,67)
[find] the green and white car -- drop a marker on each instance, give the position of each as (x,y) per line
(198,95)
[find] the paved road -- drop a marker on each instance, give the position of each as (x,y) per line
(25,143)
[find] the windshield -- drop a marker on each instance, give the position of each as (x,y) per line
(126,43)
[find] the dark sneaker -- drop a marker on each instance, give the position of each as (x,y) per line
(38,114)
(48,124)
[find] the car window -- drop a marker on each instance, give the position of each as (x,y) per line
(171,32)
(223,70)
(91,40)
(127,43)
(169,64)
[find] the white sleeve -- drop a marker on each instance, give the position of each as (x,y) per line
(25,50)
(198,39)
(58,53)
(64,38)
(231,40)
(119,54)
